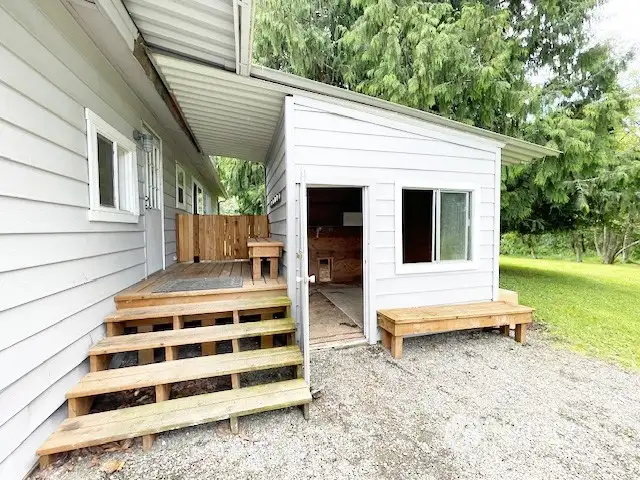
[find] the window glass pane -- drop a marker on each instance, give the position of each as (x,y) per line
(180,195)
(180,179)
(105,171)
(200,202)
(453,226)
(417,226)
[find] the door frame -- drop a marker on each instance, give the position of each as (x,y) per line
(148,129)
(312,177)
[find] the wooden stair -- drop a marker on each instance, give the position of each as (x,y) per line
(164,374)
(83,429)
(172,339)
(104,427)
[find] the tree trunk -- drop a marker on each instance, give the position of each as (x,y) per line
(596,243)
(578,245)
(610,246)
(529,243)
(626,240)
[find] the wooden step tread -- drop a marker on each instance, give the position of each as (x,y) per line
(191,336)
(220,306)
(129,378)
(104,427)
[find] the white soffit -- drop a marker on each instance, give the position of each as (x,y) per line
(230,115)
(207,30)
(236,116)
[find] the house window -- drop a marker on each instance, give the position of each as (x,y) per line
(436,229)
(180,186)
(113,173)
(198,199)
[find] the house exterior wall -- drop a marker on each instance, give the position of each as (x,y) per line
(382,154)
(58,271)
(276,182)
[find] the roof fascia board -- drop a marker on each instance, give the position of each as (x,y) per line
(116,12)
(294,81)
(357,112)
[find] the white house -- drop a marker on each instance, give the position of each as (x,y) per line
(109,112)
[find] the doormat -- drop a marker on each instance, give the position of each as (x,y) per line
(200,283)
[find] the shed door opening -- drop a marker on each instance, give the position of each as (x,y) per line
(335,239)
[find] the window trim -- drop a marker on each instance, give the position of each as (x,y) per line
(181,205)
(101,213)
(437,265)
(194,199)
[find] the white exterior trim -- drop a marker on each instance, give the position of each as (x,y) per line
(115,11)
(326,179)
(97,212)
(440,266)
(181,205)
(496,227)
(358,112)
(146,127)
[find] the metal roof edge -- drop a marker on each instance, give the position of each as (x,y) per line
(520,148)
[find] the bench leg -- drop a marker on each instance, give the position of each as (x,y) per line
(521,332)
(386,339)
(273,267)
(145,356)
(505,330)
(396,346)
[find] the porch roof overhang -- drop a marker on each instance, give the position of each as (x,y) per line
(236,116)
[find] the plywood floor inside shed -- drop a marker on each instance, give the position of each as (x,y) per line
(335,314)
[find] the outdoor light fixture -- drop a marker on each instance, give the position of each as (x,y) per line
(144,139)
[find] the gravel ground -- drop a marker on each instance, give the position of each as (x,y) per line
(464,405)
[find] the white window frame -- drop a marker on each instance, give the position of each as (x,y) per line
(101,213)
(194,200)
(437,265)
(181,205)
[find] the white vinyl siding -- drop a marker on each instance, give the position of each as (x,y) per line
(276,183)
(382,156)
(58,270)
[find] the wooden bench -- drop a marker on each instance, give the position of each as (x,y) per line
(260,248)
(399,322)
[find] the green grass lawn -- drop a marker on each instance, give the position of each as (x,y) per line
(594,308)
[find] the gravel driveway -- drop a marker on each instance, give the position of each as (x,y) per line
(457,406)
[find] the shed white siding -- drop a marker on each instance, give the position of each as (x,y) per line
(276,183)
(379,153)
(58,271)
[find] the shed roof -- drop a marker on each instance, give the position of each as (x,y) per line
(236,116)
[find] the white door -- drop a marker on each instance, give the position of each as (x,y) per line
(153,208)
(304,279)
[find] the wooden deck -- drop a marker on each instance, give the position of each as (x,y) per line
(141,294)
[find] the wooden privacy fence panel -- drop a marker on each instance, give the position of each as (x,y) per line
(217,237)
